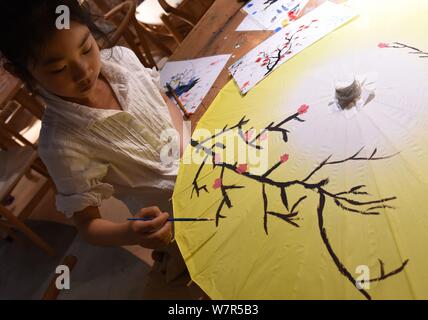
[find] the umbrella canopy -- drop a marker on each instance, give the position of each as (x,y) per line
(317,178)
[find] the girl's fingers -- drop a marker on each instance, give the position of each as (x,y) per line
(164,234)
(143,227)
(148,212)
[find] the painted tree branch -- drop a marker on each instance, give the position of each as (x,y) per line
(398,45)
(354,157)
(340,266)
(271,60)
(224,191)
(349,200)
(196,187)
(384,275)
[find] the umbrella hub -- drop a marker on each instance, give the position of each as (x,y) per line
(348,93)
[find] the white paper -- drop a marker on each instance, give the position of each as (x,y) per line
(192,79)
(270,13)
(285,44)
(250,24)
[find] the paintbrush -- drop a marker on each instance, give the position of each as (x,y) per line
(172,93)
(172,219)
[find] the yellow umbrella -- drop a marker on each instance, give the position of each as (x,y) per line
(317,178)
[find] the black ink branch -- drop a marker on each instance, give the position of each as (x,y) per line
(398,45)
(272,59)
(356,200)
(268,3)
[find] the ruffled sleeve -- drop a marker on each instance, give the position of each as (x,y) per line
(77,177)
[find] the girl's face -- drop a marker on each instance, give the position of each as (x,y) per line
(69,65)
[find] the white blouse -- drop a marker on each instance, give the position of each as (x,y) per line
(92,154)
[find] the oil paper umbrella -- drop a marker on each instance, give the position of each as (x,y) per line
(317,178)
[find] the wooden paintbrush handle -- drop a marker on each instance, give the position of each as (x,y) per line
(171,91)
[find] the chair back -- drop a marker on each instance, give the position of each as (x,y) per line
(123,17)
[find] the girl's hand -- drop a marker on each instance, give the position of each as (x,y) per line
(153,234)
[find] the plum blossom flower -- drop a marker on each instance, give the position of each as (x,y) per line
(242,168)
(217,183)
(303,109)
(284,158)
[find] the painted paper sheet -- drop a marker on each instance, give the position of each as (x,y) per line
(285,44)
(273,12)
(192,79)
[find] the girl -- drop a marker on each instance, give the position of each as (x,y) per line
(107,127)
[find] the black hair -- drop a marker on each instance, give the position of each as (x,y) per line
(26,25)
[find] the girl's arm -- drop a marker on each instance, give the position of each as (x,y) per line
(149,234)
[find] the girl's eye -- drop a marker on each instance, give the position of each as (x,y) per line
(58,71)
(87,51)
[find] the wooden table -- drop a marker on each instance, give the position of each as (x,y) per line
(215,34)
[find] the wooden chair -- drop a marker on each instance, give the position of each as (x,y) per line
(16,162)
(123,17)
(19,108)
(171,18)
(18,156)
(11,88)
(167,19)
(188,11)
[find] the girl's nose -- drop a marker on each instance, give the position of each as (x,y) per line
(80,72)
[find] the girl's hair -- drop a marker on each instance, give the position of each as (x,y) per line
(26,25)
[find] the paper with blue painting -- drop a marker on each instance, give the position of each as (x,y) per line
(273,14)
(192,79)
